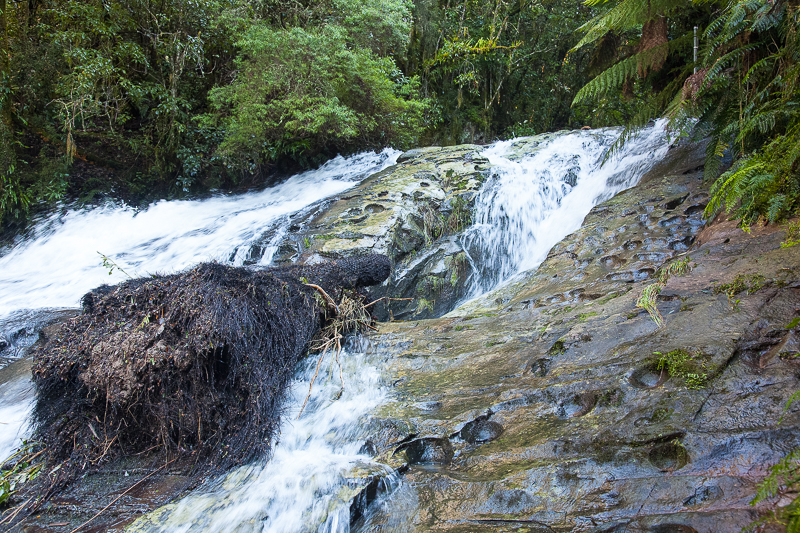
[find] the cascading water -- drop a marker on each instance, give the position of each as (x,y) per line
(57,261)
(314,472)
(527,205)
(533,200)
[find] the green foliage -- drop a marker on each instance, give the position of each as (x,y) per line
(675,268)
(742,93)
(25,464)
(498,68)
(741,283)
(783,478)
(303,93)
(647,301)
(681,364)
(112,265)
(147,92)
(649,297)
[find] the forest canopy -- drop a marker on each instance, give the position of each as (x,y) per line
(142,99)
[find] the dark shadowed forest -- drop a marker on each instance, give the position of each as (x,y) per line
(145,99)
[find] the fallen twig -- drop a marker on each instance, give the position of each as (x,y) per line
(388,300)
(104,509)
(319,362)
(324,294)
(16,511)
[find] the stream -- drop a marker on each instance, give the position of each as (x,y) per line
(319,463)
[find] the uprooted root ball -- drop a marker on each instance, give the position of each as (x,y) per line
(196,362)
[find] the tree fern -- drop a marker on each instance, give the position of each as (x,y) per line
(612,78)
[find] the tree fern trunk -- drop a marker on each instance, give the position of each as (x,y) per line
(5,74)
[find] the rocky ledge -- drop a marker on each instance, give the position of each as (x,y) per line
(556,403)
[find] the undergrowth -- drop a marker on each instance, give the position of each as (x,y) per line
(682,364)
(783,479)
(649,297)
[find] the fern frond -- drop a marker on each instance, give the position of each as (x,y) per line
(610,79)
(613,77)
(715,151)
(726,60)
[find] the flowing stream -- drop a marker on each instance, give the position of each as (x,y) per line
(529,203)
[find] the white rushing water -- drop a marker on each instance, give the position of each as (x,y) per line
(314,472)
(58,260)
(527,205)
(530,203)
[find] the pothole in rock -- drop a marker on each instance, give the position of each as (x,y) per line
(675,202)
(577,406)
(612,261)
(694,209)
(643,273)
(481,430)
(626,277)
(429,451)
(682,245)
(669,456)
(374,208)
(653,257)
(352,212)
(648,377)
(758,347)
(632,245)
(429,406)
(540,367)
(671,221)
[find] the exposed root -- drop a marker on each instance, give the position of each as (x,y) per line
(190,364)
(351,316)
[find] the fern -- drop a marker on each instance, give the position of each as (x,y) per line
(783,477)
(612,78)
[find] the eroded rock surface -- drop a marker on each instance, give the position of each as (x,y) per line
(413,212)
(551,394)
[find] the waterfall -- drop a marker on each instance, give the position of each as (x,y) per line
(532,200)
(57,262)
(313,474)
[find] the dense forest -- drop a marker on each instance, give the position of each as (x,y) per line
(140,99)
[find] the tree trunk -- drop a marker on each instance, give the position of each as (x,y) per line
(5,73)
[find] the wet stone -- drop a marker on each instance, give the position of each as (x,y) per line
(612,261)
(577,406)
(430,450)
(669,456)
(671,221)
(648,377)
(540,367)
(672,528)
(374,208)
(481,430)
(703,495)
(694,209)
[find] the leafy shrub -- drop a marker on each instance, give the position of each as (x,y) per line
(306,94)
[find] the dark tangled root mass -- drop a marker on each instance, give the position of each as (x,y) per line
(192,363)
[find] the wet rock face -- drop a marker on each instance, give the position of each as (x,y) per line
(431,451)
(481,430)
(600,420)
(413,212)
(22,329)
